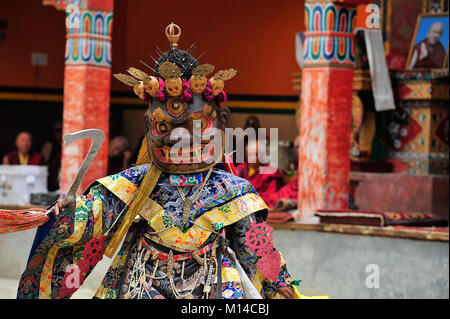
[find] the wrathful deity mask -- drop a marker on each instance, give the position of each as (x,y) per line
(185,122)
(186,137)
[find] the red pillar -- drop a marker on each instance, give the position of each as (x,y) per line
(326,99)
(87,77)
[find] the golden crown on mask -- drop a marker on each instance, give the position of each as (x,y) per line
(143,83)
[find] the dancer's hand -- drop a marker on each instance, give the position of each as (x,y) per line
(287,292)
(60,205)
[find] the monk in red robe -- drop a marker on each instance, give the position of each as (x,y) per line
(429,53)
(286,197)
(265,184)
(22,154)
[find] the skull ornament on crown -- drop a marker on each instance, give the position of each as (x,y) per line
(139,89)
(171,73)
(218,80)
(198,79)
(151,85)
(184,121)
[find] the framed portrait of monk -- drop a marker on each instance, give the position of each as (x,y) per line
(429,47)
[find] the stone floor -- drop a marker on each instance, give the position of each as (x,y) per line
(330,264)
(14,250)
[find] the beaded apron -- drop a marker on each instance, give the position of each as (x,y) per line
(155,272)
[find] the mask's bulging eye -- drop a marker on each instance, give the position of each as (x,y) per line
(161,128)
(200,123)
(175,107)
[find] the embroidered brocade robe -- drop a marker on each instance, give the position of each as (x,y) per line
(225,209)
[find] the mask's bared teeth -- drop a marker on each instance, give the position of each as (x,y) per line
(166,154)
(205,150)
(197,154)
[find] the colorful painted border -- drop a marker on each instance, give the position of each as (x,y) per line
(90,44)
(329,39)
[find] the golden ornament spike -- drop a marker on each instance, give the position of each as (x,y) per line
(191,47)
(159,51)
(203,69)
(169,70)
(192,63)
(154,60)
(125,78)
(138,74)
(173,33)
(148,66)
(202,54)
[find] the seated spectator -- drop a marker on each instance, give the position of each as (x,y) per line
(118,155)
(286,196)
(22,154)
(240,141)
(265,184)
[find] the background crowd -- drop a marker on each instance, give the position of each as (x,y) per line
(278,189)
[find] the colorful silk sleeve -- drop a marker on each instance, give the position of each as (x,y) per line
(248,258)
(68,243)
(236,235)
(268,288)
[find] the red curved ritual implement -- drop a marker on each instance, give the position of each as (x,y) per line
(18,220)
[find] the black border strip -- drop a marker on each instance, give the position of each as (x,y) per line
(231,97)
(128,94)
